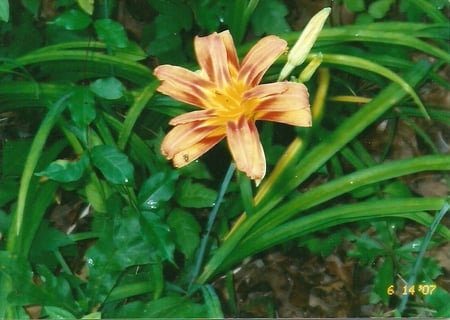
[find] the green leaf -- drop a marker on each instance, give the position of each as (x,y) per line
(158,188)
(383,279)
(108,88)
(87,6)
(82,107)
(32,6)
(9,187)
(195,195)
(158,235)
(56,313)
(269,18)
(355,5)
(113,164)
(73,20)
(186,230)
(167,307)
(380,8)
(14,155)
(46,241)
(122,244)
(65,170)
(111,32)
(4,10)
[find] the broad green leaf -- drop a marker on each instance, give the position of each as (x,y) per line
(186,230)
(195,195)
(158,188)
(65,170)
(108,88)
(73,20)
(111,32)
(32,6)
(158,235)
(355,5)
(87,6)
(4,10)
(379,8)
(8,190)
(113,163)
(82,107)
(269,18)
(46,241)
(122,244)
(383,279)
(14,155)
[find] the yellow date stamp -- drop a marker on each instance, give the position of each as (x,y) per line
(422,289)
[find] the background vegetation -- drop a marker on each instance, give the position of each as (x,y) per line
(349,221)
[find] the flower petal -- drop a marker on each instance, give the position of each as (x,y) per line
(195,151)
(192,116)
(246,149)
(184,136)
(183,85)
(265,90)
(213,54)
(260,57)
(290,107)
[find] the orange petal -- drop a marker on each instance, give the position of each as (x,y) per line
(184,136)
(290,107)
(191,117)
(265,90)
(195,151)
(212,57)
(260,57)
(300,118)
(183,85)
(246,149)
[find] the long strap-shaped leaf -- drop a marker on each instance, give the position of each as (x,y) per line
(411,208)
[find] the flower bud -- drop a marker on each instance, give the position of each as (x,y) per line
(302,47)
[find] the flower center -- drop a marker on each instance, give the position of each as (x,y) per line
(229,105)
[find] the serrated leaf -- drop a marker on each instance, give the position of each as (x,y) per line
(186,230)
(113,164)
(108,88)
(269,18)
(87,6)
(65,170)
(111,32)
(4,10)
(158,188)
(82,107)
(73,20)
(195,195)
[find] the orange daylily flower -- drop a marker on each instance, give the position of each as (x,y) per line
(231,100)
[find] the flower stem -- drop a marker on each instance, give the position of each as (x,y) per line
(211,219)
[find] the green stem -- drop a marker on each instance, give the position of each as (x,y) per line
(211,219)
(432,229)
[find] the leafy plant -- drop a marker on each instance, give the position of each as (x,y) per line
(95,223)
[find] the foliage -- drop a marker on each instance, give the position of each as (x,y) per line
(142,239)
